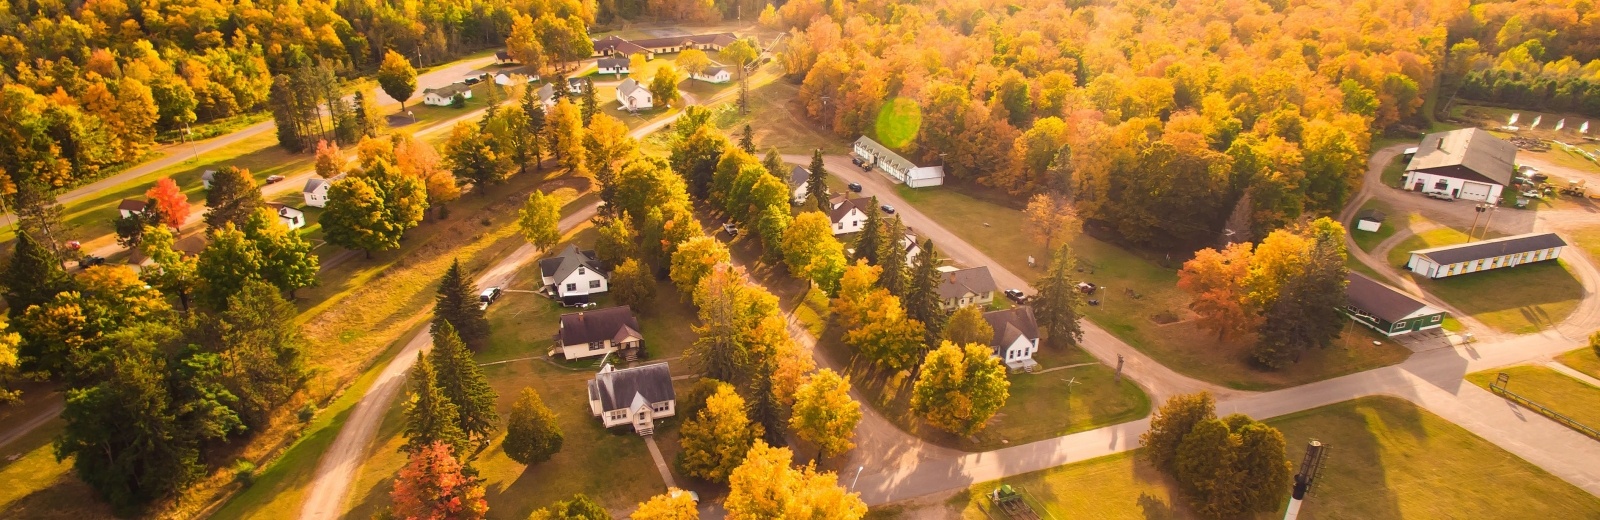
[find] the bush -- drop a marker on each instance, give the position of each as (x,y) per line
(244,472)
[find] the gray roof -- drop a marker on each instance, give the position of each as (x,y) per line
(611,323)
(798,175)
(628,86)
(1382,301)
(567,261)
(1469,153)
(208,175)
(885,154)
(1010,324)
(975,280)
(1491,248)
(1370,214)
(843,207)
(546,93)
(448,91)
(313,183)
(712,71)
(618,389)
(612,63)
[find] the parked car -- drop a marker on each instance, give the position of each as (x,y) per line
(578,305)
(866,167)
(274,179)
(471,80)
(855,187)
(730,229)
(1016,296)
(1439,195)
(91,261)
(1087,288)
(487,297)
(887,209)
(856,161)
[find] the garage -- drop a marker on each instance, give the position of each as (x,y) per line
(1475,190)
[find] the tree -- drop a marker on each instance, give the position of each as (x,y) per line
(1051,220)
(871,238)
(716,439)
(523,43)
(960,388)
(472,156)
(1170,423)
(699,156)
(233,197)
(1216,283)
(922,293)
(811,251)
(741,54)
(354,218)
(695,259)
(675,504)
(892,258)
(967,325)
(564,134)
(617,242)
(39,215)
(579,507)
(1306,312)
(729,308)
(397,78)
(824,413)
(632,285)
(747,142)
(463,384)
(329,160)
(430,417)
(1059,303)
(885,334)
(767,485)
(173,272)
(637,66)
(416,158)
(527,144)
(9,366)
(540,220)
(1205,468)
(433,484)
(286,259)
(129,229)
(1263,466)
(775,362)
(817,182)
(664,87)
(607,144)
(457,304)
(169,202)
(228,262)
(692,61)
(260,349)
(532,434)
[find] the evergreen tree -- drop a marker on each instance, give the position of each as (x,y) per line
(747,140)
(532,434)
(457,304)
(922,294)
(461,382)
(233,197)
(430,416)
(261,350)
(817,183)
(892,258)
(774,164)
(527,142)
(1059,304)
(39,214)
(33,276)
(1306,311)
(869,242)
(590,105)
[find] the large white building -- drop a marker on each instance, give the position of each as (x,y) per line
(1465,164)
(633,396)
(1471,257)
(895,166)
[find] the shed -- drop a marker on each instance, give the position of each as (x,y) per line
(1369,220)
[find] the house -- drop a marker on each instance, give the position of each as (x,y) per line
(576,85)
(206,177)
(1386,309)
(798,176)
(1464,164)
(1016,337)
(1483,255)
(599,332)
(1369,220)
(615,46)
(670,44)
(895,166)
(316,190)
(848,214)
(573,273)
(612,65)
(444,96)
(131,207)
(190,245)
(713,75)
(912,247)
(635,396)
(633,96)
(291,217)
(547,95)
(507,77)
(962,287)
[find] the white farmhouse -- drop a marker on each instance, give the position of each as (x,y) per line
(1483,255)
(573,273)
(612,65)
(600,332)
(443,96)
(547,95)
(633,396)
(291,217)
(961,287)
(1016,337)
(798,176)
(895,166)
(316,190)
(1465,164)
(713,75)
(848,214)
(633,96)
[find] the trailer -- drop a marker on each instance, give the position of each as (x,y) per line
(1010,501)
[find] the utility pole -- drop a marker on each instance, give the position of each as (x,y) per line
(1491,209)
(1119,368)
(1474,229)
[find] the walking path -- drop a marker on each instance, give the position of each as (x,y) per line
(1553,365)
(661,462)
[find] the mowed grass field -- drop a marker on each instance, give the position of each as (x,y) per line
(1387,459)
(1522,299)
(1565,395)
(1586,360)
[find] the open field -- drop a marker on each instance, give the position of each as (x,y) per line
(1554,390)
(1586,360)
(1388,460)
(778,119)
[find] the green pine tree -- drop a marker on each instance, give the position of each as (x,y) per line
(34,276)
(233,197)
(922,296)
(747,140)
(590,105)
(892,258)
(817,183)
(869,242)
(528,143)
(457,303)
(430,416)
(1059,303)
(464,385)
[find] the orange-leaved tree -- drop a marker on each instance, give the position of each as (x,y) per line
(170,202)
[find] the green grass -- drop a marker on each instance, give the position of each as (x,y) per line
(1519,300)
(1389,460)
(1437,237)
(1366,240)
(39,486)
(1586,360)
(1393,171)
(1567,396)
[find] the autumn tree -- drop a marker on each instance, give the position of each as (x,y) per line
(960,387)
(564,135)
(675,504)
(473,157)
(260,349)
(811,251)
(233,197)
(456,303)
(286,258)
(579,507)
(523,43)
(430,417)
(10,368)
(694,260)
(1170,423)
(967,325)
(532,433)
(227,263)
(433,484)
(397,78)
(730,308)
(1306,313)
(417,159)
(664,87)
(617,240)
(632,285)
(767,485)
(886,334)
(692,61)
(169,202)
(1215,280)
(741,55)
(715,440)
(354,218)
(1051,220)
(173,272)
(1059,303)
(463,384)
(540,220)
(824,413)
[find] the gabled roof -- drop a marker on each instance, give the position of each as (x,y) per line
(523,70)
(448,91)
(582,327)
(1010,324)
(133,205)
(842,208)
(974,280)
(192,244)
(316,182)
(1382,301)
(546,93)
(568,260)
(1491,248)
(628,86)
(618,389)
(884,153)
(1370,214)
(1470,153)
(712,71)
(798,176)
(208,175)
(502,55)
(612,63)
(576,82)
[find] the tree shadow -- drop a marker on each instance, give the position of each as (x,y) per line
(1154,508)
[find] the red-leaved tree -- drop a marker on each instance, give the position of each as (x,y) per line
(170,201)
(431,486)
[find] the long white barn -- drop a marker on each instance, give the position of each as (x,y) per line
(895,166)
(1471,257)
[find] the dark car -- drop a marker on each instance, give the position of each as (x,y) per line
(1015,295)
(91,261)
(856,161)
(855,187)
(887,209)
(274,179)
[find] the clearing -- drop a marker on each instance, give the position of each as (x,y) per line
(1567,396)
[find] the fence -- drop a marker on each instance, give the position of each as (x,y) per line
(1499,387)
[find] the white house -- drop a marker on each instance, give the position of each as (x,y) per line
(1016,337)
(291,217)
(547,95)
(576,85)
(1471,257)
(962,287)
(635,396)
(848,214)
(131,207)
(633,96)
(599,332)
(316,190)
(912,248)
(506,77)
(573,273)
(895,166)
(1465,164)
(798,175)
(713,75)
(443,96)
(206,177)
(612,65)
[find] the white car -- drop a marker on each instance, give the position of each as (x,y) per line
(487,297)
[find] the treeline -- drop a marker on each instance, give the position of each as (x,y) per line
(1158,120)
(1535,54)
(1570,94)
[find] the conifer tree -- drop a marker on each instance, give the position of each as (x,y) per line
(527,146)
(591,105)
(922,296)
(464,385)
(430,416)
(747,140)
(532,434)
(774,164)
(233,197)
(870,240)
(892,258)
(457,303)
(1059,303)
(817,183)
(34,276)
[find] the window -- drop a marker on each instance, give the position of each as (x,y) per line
(1435,319)
(582,271)
(594,284)
(1441,185)
(572,287)
(597,345)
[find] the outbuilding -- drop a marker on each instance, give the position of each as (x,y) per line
(1471,257)
(131,207)
(896,167)
(714,75)
(1386,309)
(291,217)
(1464,164)
(633,96)
(444,96)
(612,65)
(1369,220)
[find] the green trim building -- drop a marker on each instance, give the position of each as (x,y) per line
(1386,309)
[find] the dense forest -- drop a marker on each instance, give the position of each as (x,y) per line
(1537,54)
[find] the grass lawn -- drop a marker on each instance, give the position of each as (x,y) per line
(777,119)
(1520,300)
(1389,460)
(1585,360)
(1393,171)
(38,486)
(1437,237)
(1567,396)
(1587,239)
(1366,240)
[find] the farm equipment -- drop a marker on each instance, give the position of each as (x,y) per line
(1576,187)
(1010,501)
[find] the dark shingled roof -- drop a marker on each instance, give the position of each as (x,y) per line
(1469,153)
(1385,302)
(618,389)
(582,327)
(133,205)
(798,176)
(1491,248)
(567,261)
(1370,214)
(612,63)
(975,280)
(843,207)
(712,71)
(1011,324)
(448,91)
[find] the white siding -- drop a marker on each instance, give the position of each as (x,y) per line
(583,281)
(850,223)
(1458,188)
(1425,267)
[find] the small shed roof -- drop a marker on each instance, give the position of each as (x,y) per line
(1370,214)
(134,205)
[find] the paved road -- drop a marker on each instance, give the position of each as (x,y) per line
(13,433)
